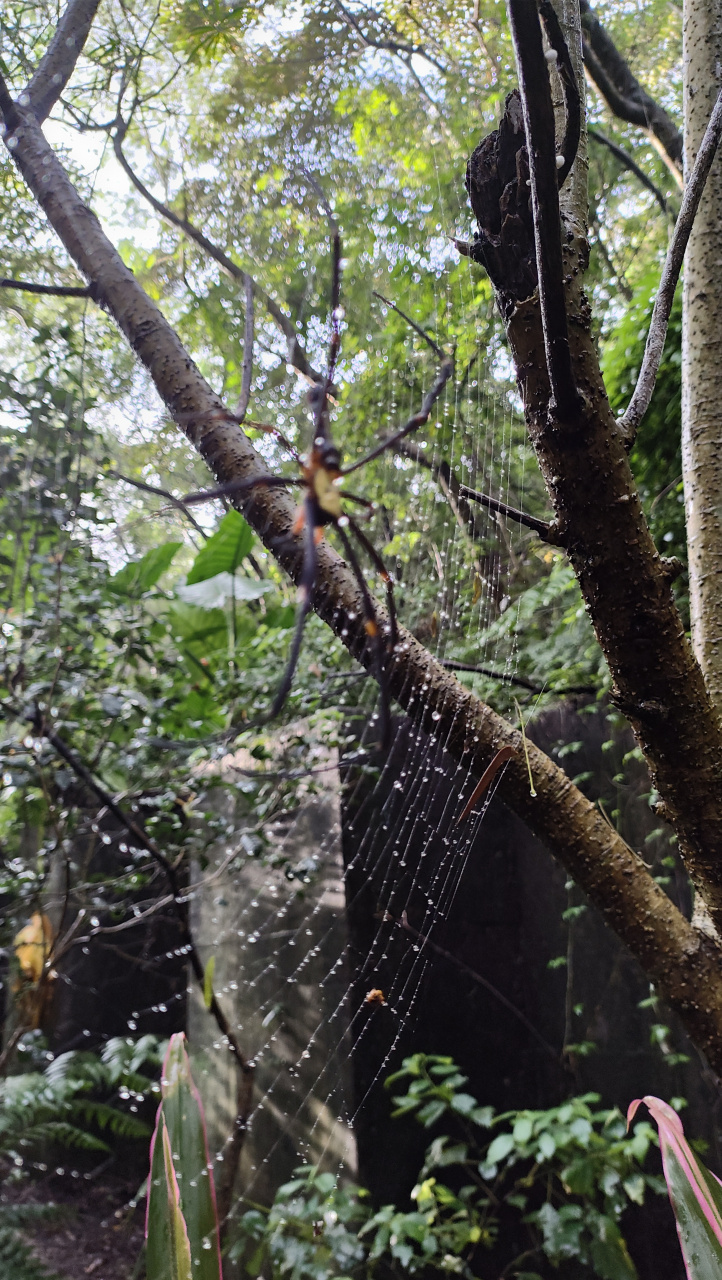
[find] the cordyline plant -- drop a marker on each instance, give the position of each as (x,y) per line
(532,241)
(695,1193)
(182,1238)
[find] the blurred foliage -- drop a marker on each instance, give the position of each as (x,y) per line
(79,1102)
(552,1185)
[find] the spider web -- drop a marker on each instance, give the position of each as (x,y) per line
(323,973)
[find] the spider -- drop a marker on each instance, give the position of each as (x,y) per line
(320,472)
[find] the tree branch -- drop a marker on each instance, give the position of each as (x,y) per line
(639,403)
(52,290)
(679,959)
(451,664)
(629,163)
(56,67)
(161,493)
(541,152)
(572,97)
(548,532)
(624,94)
(296,355)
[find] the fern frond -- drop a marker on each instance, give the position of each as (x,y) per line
(17,1260)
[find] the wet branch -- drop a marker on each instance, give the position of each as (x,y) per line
(625,96)
(629,163)
(548,532)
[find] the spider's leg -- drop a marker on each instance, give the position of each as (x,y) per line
(377,560)
(362,502)
(372,630)
(239,486)
(414,422)
(305,587)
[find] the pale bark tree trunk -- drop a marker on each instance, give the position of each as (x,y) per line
(701,362)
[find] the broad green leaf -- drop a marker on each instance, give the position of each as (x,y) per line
(139,576)
(695,1193)
(181,1115)
(223,552)
(212,593)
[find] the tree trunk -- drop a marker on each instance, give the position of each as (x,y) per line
(701,365)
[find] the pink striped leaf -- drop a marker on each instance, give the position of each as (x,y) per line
(181,1189)
(695,1193)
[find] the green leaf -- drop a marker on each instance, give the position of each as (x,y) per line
(695,1193)
(609,1253)
(223,552)
(212,593)
(168,1254)
(137,577)
(180,1115)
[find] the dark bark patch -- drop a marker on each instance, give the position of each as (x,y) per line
(497,180)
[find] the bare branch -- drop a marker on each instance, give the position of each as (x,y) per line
(572,97)
(624,94)
(642,394)
(161,493)
(629,163)
(412,323)
(503,677)
(132,827)
(547,532)
(296,355)
(56,67)
(541,151)
(397,47)
(52,290)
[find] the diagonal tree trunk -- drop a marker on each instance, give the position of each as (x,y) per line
(600,522)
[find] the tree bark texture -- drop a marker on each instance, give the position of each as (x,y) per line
(626,584)
(683,963)
(701,364)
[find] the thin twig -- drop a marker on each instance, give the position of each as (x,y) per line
(161,493)
(296,354)
(9,1049)
(451,664)
(53,290)
(416,327)
(133,828)
(639,403)
(539,128)
(629,163)
(547,532)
